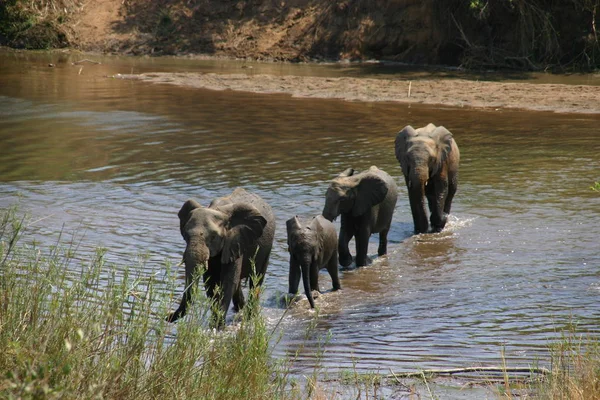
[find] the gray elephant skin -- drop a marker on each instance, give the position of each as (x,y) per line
(366,203)
(312,246)
(429,159)
(227,237)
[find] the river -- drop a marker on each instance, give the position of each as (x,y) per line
(112,160)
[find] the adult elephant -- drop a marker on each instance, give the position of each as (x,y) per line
(429,159)
(232,238)
(366,202)
(312,246)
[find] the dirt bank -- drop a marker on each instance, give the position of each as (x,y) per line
(523,35)
(446,92)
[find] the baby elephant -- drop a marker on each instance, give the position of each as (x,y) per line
(312,247)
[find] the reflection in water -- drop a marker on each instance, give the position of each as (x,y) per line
(518,261)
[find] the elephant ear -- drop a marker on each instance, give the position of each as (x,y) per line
(347,172)
(246,225)
(401,146)
(370,191)
(444,142)
(185,213)
(317,230)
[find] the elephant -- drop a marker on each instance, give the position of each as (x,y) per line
(366,202)
(312,246)
(232,238)
(429,159)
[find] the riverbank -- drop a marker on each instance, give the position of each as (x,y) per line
(490,95)
(526,36)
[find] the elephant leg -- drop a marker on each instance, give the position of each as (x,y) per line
(332,268)
(314,276)
(452,186)
(212,279)
(382,250)
(238,298)
(436,191)
(346,234)
(294,276)
(362,245)
(260,270)
(230,279)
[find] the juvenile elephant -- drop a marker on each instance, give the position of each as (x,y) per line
(429,160)
(366,202)
(312,246)
(227,237)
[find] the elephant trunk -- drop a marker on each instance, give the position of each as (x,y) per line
(330,213)
(331,210)
(196,254)
(306,281)
(416,182)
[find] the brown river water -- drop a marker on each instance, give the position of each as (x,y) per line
(113,160)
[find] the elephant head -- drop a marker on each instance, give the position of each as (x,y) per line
(354,194)
(225,231)
(302,243)
(217,238)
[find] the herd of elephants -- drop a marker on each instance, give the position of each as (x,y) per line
(232,237)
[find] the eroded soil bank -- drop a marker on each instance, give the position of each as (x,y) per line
(445,92)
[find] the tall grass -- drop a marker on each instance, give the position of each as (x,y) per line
(73,329)
(575,373)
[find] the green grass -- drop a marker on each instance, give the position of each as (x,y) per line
(85,329)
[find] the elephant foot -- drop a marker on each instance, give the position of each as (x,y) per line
(290,298)
(345,261)
(365,262)
(217,323)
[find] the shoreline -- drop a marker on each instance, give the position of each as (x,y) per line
(558,98)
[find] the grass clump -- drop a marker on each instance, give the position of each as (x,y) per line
(86,329)
(575,372)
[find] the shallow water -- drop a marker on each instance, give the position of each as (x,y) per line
(114,160)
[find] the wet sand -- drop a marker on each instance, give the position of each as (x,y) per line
(444,92)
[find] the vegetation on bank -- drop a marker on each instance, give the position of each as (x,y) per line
(522,35)
(72,328)
(35,24)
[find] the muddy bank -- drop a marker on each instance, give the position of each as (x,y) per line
(445,92)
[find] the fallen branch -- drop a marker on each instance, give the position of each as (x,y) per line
(452,371)
(86,60)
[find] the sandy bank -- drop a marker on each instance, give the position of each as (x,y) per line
(445,92)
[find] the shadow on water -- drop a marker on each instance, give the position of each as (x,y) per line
(517,264)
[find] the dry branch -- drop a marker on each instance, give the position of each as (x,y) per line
(453,371)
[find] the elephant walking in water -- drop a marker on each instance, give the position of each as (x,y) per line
(312,246)
(429,159)
(229,236)
(366,202)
